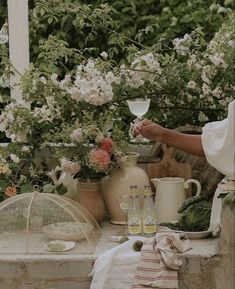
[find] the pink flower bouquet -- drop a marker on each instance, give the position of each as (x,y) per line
(97,155)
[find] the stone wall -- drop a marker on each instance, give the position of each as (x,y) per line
(218,270)
(224,270)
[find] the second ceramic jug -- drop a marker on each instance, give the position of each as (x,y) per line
(116,187)
(170,194)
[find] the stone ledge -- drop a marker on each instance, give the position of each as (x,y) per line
(70,271)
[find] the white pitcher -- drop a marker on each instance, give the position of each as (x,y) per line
(170,194)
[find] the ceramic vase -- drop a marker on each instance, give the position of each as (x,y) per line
(115,188)
(89,196)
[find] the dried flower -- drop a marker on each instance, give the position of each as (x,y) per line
(10,191)
(4,169)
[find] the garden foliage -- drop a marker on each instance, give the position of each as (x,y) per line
(89,57)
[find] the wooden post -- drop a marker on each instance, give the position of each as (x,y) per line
(18,43)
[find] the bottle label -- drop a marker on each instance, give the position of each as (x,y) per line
(134,225)
(149,225)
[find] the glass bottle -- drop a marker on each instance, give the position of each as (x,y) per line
(134,213)
(149,213)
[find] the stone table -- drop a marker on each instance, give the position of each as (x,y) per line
(71,271)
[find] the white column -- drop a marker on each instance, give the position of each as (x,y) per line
(18,26)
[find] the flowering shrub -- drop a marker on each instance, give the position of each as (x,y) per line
(75,104)
(19,174)
(72,117)
(194,84)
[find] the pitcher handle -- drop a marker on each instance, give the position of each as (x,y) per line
(197,183)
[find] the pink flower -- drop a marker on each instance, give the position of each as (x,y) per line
(107,145)
(99,159)
(76,134)
(69,167)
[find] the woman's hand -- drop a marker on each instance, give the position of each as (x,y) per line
(186,142)
(149,130)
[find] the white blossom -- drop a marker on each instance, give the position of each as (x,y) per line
(25,149)
(207,73)
(54,78)
(4,81)
(15,158)
(143,68)
(104,55)
(217,92)
(43,113)
(206,89)
(23,178)
(231,43)
(92,85)
(180,44)
(43,79)
(192,60)
(65,82)
(192,84)
(202,117)
(218,59)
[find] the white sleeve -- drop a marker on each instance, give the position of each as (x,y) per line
(218,143)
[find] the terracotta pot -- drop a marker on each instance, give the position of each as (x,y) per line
(116,188)
(89,196)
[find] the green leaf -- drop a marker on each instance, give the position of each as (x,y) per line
(61,189)
(3,185)
(186,19)
(229,199)
(27,188)
(49,188)
(50,20)
(42,11)
(228,2)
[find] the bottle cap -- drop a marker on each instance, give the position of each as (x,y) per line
(147,190)
(133,187)
(133,190)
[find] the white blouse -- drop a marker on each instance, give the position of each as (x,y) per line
(218,140)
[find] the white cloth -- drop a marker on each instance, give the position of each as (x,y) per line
(159,265)
(215,219)
(218,140)
(115,268)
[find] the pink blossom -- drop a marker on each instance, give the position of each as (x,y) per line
(107,145)
(76,134)
(69,167)
(99,159)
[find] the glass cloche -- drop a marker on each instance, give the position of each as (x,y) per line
(43,223)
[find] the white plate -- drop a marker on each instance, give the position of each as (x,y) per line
(190,235)
(196,235)
(66,246)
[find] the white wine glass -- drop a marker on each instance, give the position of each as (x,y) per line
(138,107)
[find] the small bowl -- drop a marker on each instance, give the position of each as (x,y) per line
(59,246)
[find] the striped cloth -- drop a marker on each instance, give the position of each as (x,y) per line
(158,266)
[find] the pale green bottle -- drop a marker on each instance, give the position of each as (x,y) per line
(134,213)
(149,221)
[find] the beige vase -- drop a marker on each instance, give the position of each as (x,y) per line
(116,187)
(89,196)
